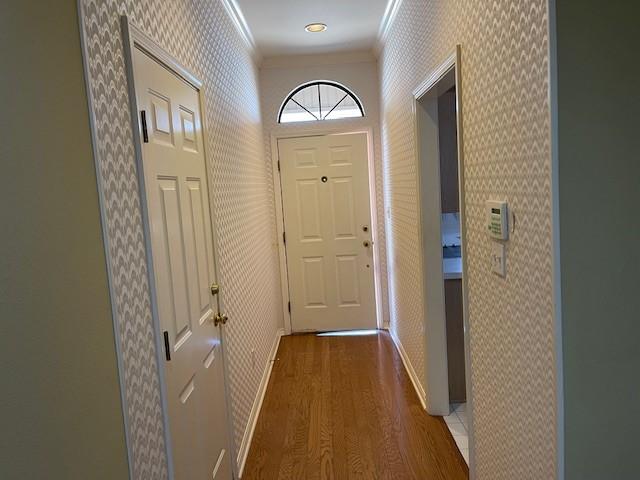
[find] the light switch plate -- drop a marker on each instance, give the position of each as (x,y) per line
(498,259)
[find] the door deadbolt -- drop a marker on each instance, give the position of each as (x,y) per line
(366,243)
(215,289)
(365,228)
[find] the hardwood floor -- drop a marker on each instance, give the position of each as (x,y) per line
(343,407)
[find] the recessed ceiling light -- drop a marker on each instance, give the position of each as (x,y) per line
(315,27)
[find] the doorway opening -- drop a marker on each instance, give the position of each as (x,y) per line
(325,188)
(442,214)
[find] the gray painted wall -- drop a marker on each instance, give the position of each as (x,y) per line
(599,173)
(60,414)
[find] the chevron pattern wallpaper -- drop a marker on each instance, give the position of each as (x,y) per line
(506,122)
(201,35)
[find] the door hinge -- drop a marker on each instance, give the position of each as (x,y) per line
(289,306)
(284,238)
(278,165)
(167,347)
(143,122)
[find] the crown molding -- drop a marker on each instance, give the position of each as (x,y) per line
(234,11)
(385,25)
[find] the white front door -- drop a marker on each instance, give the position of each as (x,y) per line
(327,221)
(177,202)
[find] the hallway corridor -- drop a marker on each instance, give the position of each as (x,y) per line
(343,407)
(209,184)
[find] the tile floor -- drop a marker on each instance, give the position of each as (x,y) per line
(458,426)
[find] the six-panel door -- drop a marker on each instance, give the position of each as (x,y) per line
(177,203)
(325,191)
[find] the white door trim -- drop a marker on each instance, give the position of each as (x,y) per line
(277,190)
(437,386)
(134,37)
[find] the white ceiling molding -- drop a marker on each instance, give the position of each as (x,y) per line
(385,25)
(233,9)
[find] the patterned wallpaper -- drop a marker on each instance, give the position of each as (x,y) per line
(203,38)
(361,77)
(506,117)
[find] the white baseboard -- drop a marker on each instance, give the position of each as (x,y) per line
(410,371)
(243,452)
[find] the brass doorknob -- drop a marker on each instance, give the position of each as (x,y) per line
(220,318)
(366,243)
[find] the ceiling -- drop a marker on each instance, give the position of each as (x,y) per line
(277,26)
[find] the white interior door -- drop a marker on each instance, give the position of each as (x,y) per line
(183,265)
(327,219)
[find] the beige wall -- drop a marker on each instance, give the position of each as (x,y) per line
(359,72)
(599,181)
(61,413)
(506,142)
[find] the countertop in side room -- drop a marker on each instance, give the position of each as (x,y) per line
(452,268)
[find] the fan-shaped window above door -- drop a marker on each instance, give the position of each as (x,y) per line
(320,100)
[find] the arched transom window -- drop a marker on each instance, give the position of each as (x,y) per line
(320,100)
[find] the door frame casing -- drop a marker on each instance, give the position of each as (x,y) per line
(437,401)
(277,191)
(134,37)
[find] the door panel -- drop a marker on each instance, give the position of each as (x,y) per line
(161,128)
(309,210)
(325,192)
(178,315)
(313,282)
(189,141)
(340,155)
(306,158)
(176,197)
(196,205)
(347,281)
(342,217)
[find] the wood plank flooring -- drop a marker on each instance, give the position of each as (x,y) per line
(343,407)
